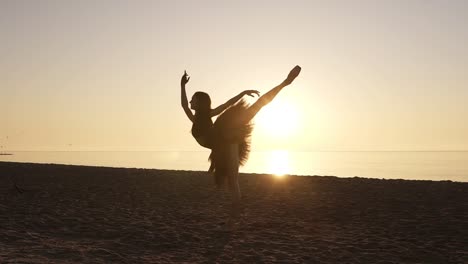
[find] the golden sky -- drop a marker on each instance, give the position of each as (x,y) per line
(104,75)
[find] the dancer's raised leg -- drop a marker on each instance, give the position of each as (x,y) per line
(269,96)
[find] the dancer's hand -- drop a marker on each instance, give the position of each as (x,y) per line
(251,93)
(292,75)
(185,78)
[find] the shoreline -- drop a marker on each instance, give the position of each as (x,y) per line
(200,171)
(76,214)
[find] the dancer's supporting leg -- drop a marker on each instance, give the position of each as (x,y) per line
(233,180)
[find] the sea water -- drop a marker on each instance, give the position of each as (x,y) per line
(414,165)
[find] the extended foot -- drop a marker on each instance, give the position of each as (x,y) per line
(293,74)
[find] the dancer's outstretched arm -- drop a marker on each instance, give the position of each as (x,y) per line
(183,96)
(218,110)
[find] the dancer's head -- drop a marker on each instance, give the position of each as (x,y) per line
(201,103)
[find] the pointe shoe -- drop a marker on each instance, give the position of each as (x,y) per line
(293,74)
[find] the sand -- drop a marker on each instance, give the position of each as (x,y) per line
(78,214)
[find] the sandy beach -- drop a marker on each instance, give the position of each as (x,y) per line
(78,214)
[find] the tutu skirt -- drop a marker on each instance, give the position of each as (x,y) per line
(228,129)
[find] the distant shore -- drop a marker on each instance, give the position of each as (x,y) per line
(6,154)
(61,213)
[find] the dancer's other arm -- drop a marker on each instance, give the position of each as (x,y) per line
(218,110)
(183,96)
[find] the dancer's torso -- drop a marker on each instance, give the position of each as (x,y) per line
(204,142)
(202,131)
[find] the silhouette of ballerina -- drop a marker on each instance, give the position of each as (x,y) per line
(229,137)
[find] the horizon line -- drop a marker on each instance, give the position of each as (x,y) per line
(439,150)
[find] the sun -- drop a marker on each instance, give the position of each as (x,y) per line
(278,119)
(278,164)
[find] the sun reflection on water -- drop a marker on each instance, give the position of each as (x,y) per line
(278,163)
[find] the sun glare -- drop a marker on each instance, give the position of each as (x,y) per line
(278,119)
(279,163)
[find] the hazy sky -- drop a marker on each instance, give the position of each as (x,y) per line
(104,75)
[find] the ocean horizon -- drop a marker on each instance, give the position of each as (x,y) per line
(409,165)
